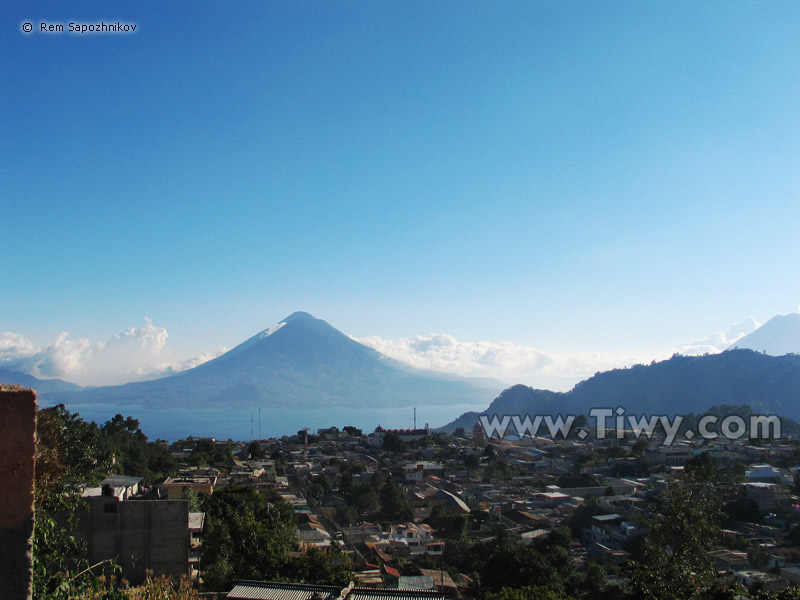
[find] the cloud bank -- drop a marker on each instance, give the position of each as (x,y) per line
(135,354)
(507,361)
(516,363)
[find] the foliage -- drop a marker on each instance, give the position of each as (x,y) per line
(207,452)
(392,443)
(190,494)
(471,462)
(394,504)
(676,561)
(447,526)
(69,454)
(255,450)
(154,588)
(577,479)
(582,518)
(525,593)
(247,537)
(346,515)
(328,566)
(132,452)
(517,565)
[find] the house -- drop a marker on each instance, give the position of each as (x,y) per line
(310,532)
(612,530)
(416,537)
(201,481)
(361,531)
(767,496)
(768,474)
(156,535)
(451,503)
(120,486)
(670,455)
(728,560)
(767,581)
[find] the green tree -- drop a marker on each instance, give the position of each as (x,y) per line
(190,494)
(255,450)
(70,453)
(133,454)
(393,503)
(346,515)
(248,536)
(514,564)
(676,562)
(392,443)
(328,566)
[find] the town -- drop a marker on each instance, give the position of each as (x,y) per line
(356,514)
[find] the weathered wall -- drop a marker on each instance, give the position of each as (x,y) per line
(142,534)
(17,451)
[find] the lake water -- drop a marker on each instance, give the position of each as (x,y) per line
(178,423)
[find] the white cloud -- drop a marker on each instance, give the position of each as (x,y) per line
(135,354)
(506,361)
(719,341)
(516,363)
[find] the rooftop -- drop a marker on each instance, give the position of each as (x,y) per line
(267,590)
(120,481)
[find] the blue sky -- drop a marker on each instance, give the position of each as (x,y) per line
(615,177)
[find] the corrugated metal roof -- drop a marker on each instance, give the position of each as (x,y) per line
(416,582)
(267,590)
(370,594)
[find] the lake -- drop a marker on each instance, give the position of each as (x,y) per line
(178,423)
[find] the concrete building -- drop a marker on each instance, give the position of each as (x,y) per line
(670,456)
(767,496)
(202,482)
(407,435)
(141,534)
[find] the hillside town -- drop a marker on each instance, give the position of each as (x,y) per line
(406,511)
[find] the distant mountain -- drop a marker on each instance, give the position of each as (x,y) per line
(300,363)
(680,385)
(778,336)
(42,386)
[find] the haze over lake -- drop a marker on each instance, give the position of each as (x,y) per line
(175,424)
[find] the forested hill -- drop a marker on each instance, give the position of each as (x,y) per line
(680,385)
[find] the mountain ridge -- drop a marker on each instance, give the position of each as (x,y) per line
(679,385)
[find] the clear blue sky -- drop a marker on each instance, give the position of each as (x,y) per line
(571,175)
